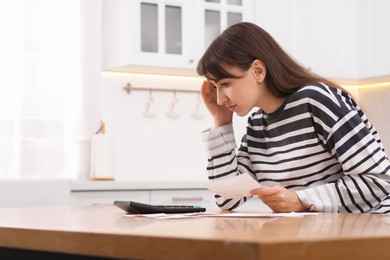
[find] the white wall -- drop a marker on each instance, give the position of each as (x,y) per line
(375,102)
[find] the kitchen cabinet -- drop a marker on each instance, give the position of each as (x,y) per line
(169,193)
(34,192)
(373,38)
(319,34)
(96,197)
(165,35)
(346,40)
(201,197)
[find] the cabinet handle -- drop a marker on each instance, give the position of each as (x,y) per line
(177,199)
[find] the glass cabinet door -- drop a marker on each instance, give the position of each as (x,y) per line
(173,30)
(161,27)
(149,27)
(220,14)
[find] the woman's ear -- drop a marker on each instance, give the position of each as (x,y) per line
(259,70)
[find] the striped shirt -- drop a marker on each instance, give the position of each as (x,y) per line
(319,143)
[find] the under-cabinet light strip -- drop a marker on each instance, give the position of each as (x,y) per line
(372,85)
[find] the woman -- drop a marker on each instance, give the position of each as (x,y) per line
(309,143)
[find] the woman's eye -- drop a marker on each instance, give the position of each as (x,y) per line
(225,85)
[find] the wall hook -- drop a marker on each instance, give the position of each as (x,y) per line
(128,88)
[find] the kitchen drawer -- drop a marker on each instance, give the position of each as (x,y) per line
(107,197)
(201,197)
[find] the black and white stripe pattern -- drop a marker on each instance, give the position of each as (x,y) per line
(318,143)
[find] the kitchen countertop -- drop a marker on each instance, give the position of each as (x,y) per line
(88,185)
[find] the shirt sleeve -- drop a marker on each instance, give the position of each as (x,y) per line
(322,198)
(220,146)
(219,140)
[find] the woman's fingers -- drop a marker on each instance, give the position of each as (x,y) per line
(208,92)
(279,199)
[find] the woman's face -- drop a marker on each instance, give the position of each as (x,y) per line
(240,94)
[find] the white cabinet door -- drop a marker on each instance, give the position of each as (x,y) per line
(214,16)
(159,34)
(147,33)
(82,198)
(327,45)
(198,197)
(165,33)
(319,34)
(373,25)
(345,40)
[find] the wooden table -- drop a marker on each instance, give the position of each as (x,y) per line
(104,231)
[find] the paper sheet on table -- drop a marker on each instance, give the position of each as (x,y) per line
(258,215)
(224,215)
(235,187)
(164,215)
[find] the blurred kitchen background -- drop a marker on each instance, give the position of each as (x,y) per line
(72,67)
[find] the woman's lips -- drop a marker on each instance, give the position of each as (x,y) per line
(232,108)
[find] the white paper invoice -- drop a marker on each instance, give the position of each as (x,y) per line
(235,187)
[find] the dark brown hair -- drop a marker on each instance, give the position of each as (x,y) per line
(241,44)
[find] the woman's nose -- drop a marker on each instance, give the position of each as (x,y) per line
(221,97)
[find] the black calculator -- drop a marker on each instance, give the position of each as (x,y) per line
(133,207)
